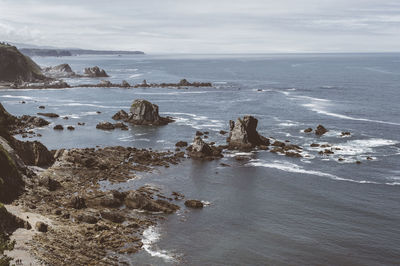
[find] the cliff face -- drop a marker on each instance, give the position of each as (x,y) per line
(15,66)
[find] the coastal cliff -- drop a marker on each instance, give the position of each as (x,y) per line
(14,66)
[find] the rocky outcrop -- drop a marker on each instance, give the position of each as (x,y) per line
(320,130)
(121,115)
(11,183)
(51,115)
(33,153)
(244,135)
(60,71)
(95,72)
(16,67)
(201,150)
(145,113)
(138,200)
(142,112)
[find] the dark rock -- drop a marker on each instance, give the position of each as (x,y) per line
(345,134)
(121,126)
(145,113)
(58,127)
(51,115)
(88,218)
(320,130)
(121,115)
(222,132)
(49,183)
(77,202)
(199,133)
(105,126)
(181,144)
(244,135)
(278,144)
(113,216)
(196,204)
(41,227)
(137,200)
(293,154)
(70,128)
(42,107)
(308,130)
(33,153)
(314,145)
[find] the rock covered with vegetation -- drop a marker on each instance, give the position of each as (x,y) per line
(14,66)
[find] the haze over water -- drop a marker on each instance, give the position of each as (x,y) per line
(271,209)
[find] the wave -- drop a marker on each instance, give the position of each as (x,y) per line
(95,105)
(150,236)
(319,109)
(294,168)
(17,97)
(196,121)
(135,76)
(358,147)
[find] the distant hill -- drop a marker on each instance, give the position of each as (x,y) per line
(15,66)
(72,52)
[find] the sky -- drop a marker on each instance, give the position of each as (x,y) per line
(205,26)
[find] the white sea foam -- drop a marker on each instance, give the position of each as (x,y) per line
(135,76)
(150,236)
(17,97)
(358,147)
(321,110)
(294,168)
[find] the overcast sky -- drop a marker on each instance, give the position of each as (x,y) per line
(205,26)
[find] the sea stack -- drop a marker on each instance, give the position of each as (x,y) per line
(244,135)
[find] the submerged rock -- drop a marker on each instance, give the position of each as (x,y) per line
(51,115)
(105,126)
(320,130)
(244,135)
(196,204)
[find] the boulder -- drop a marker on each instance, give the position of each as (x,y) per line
(41,227)
(201,150)
(308,130)
(145,113)
(51,115)
(244,135)
(95,72)
(320,130)
(181,144)
(196,204)
(121,115)
(105,126)
(121,126)
(58,127)
(77,202)
(49,183)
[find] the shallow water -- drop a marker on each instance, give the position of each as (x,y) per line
(271,209)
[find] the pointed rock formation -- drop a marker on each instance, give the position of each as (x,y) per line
(244,135)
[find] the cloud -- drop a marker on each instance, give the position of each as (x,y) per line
(205,26)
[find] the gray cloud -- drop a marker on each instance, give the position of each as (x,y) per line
(206,26)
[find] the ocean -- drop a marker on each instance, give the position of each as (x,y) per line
(271,209)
